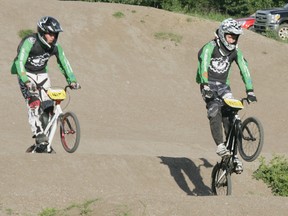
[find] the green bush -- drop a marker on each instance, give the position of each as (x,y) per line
(274,174)
(23,33)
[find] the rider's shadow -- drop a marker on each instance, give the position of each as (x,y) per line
(183,166)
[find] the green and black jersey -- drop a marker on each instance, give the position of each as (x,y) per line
(213,65)
(33,57)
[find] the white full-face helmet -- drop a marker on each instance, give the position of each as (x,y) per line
(229,26)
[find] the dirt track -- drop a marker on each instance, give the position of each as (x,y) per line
(145,148)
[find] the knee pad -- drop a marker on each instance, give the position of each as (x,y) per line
(34,102)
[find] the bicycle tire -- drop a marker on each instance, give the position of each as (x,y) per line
(223,186)
(69,132)
(252,139)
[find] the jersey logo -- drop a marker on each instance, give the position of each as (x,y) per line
(219,65)
(39,61)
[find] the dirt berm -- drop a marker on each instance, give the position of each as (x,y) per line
(146,147)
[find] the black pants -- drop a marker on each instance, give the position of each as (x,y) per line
(214,107)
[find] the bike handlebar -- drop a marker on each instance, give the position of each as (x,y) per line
(65,88)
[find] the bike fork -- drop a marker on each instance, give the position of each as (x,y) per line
(221,176)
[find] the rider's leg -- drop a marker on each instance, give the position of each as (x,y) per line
(215,120)
(226,124)
(47,104)
(34,105)
(34,113)
(44,118)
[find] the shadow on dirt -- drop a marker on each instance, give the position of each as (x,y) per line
(182,167)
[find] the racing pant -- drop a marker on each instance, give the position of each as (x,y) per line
(217,118)
(38,103)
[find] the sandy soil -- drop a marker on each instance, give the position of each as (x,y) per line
(145,144)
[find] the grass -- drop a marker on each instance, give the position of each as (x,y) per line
(210,16)
(82,209)
(49,212)
(119,14)
(9,211)
(23,33)
(168,36)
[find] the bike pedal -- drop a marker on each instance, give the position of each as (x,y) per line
(41,147)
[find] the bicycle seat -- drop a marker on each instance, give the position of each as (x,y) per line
(56,94)
(234,103)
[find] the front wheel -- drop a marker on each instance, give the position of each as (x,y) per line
(221,181)
(283,32)
(69,132)
(252,139)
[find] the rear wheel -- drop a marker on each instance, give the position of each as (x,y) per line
(221,181)
(252,139)
(69,132)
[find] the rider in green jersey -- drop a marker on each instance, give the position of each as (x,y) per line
(215,59)
(30,66)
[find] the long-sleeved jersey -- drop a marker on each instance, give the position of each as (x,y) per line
(33,57)
(213,65)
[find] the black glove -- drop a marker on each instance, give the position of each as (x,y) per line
(206,91)
(251,96)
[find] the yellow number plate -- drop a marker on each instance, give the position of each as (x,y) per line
(234,103)
(56,94)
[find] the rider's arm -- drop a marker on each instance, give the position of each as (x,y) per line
(245,73)
(64,65)
(21,59)
(204,58)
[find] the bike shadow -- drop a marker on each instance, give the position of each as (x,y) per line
(181,167)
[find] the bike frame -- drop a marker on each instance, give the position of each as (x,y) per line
(233,134)
(231,145)
(53,119)
(52,124)
(238,132)
(57,95)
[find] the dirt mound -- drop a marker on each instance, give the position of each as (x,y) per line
(145,145)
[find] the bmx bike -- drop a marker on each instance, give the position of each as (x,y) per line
(68,121)
(247,137)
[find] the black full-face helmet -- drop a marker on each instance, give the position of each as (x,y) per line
(48,25)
